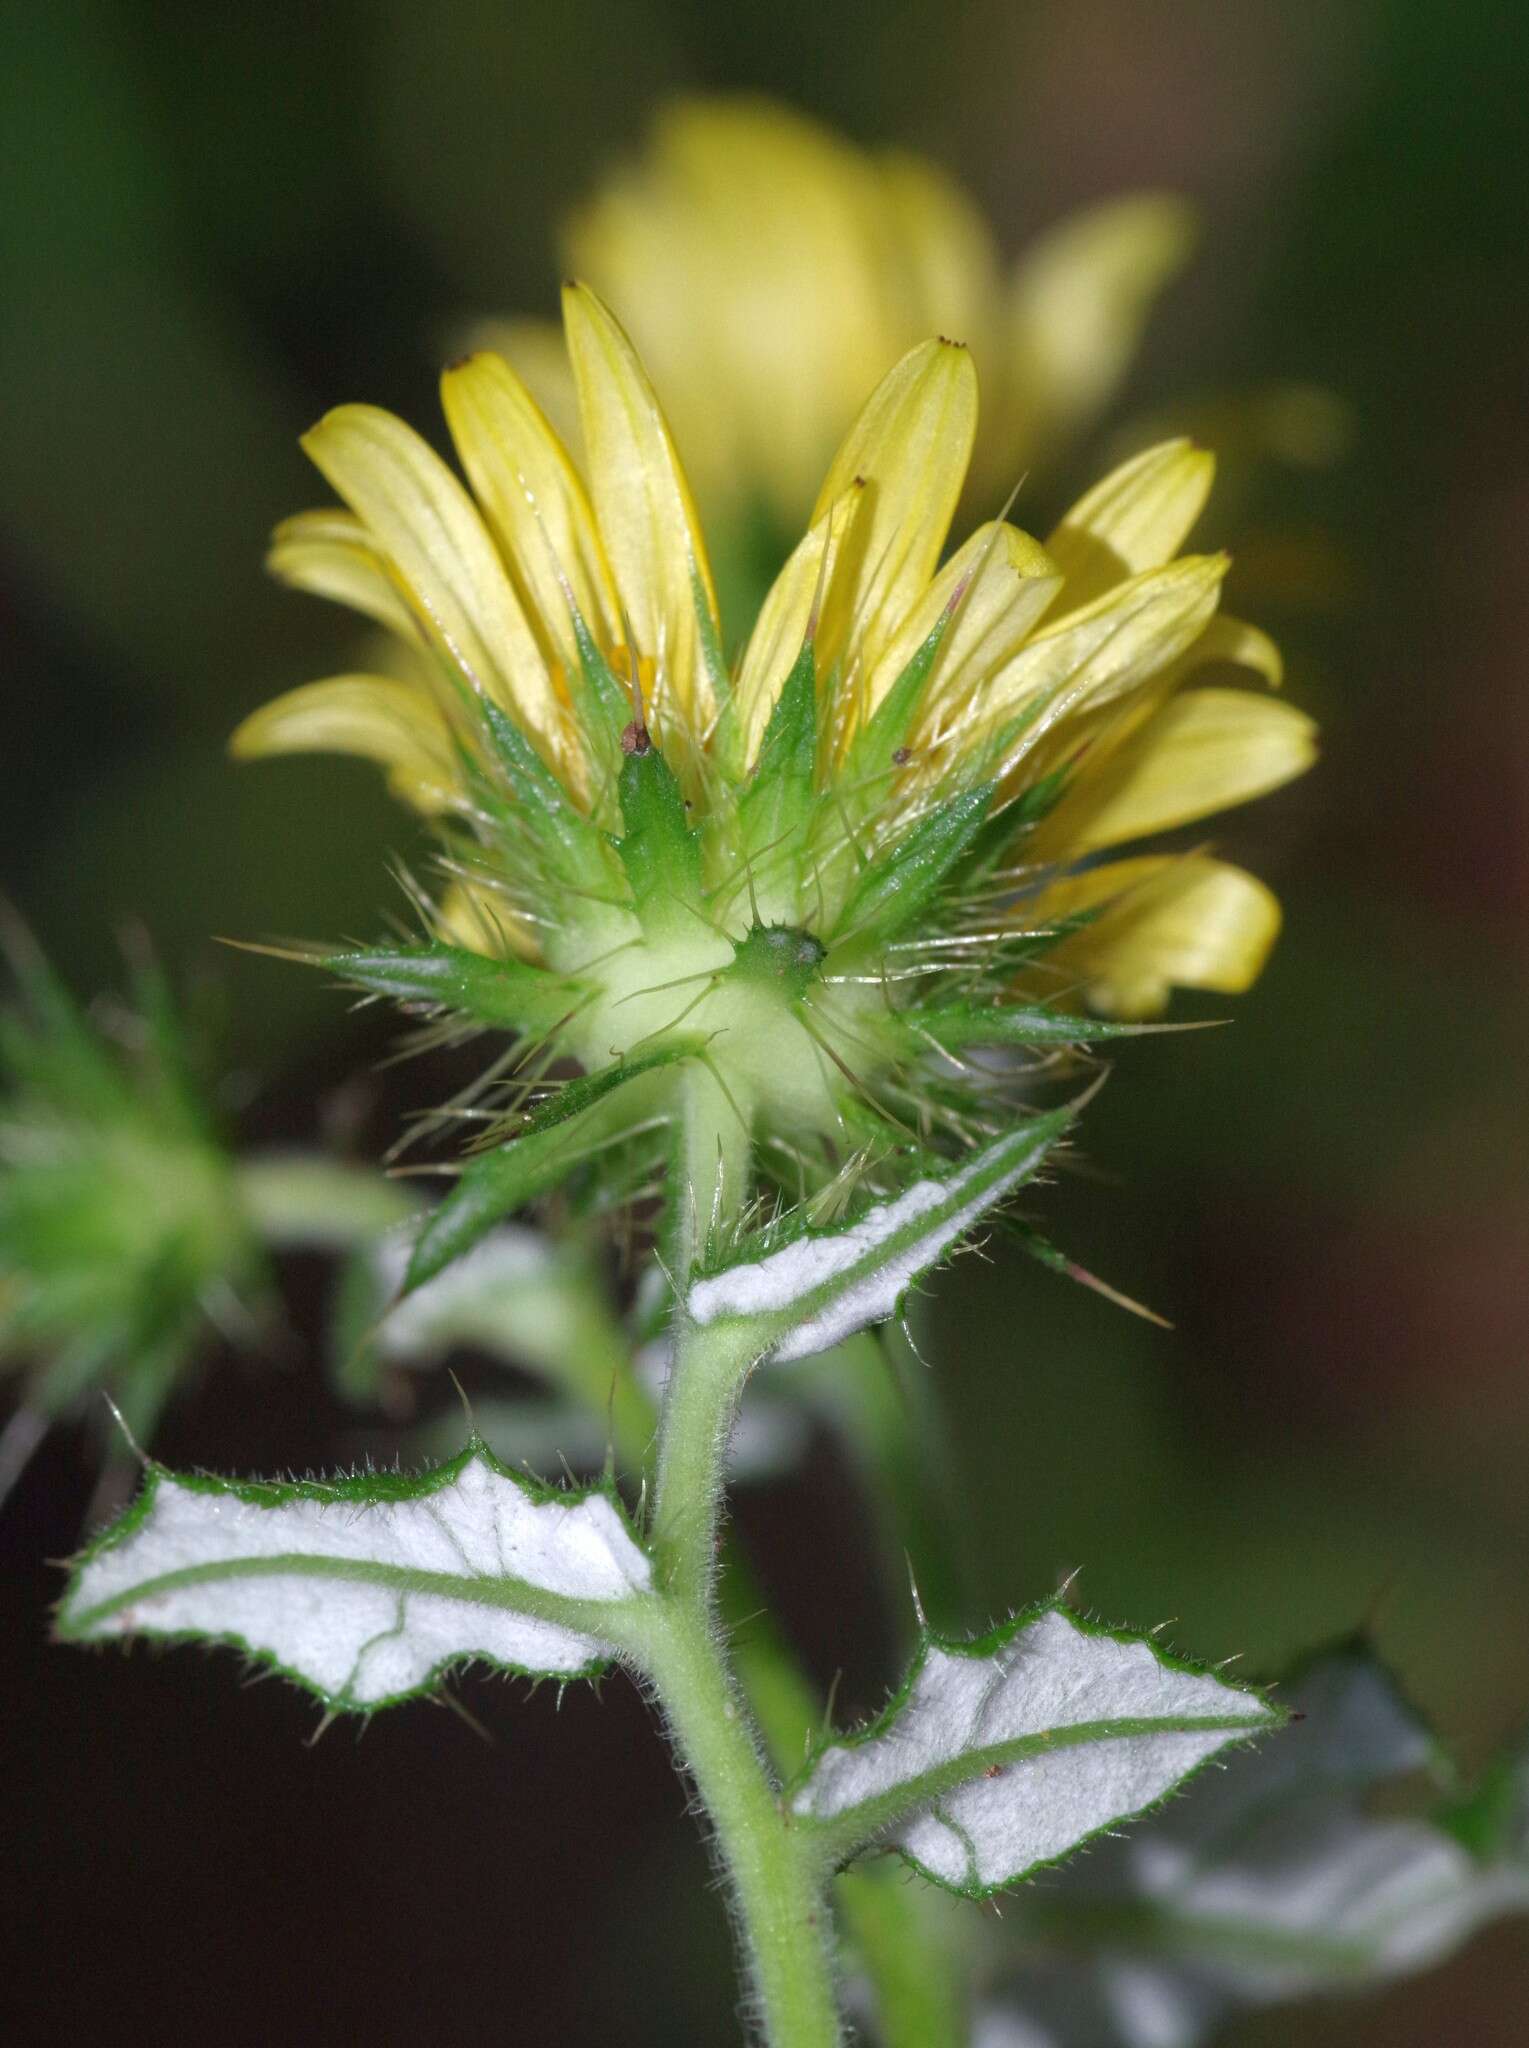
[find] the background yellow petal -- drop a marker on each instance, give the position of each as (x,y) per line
(940,263)
(1135,518)
(1202,751)
(329,554)
(533,500)
(425,525)
(1189,922)
(374,717)
(1231,640)
(1077,304)
(642,501)
(910,445)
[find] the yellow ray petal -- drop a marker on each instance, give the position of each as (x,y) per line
(810,576)
(1233,641)
(1189,922)
(329,554)
(537,352)
(374,717)
(643,502)
(1136,518)
(534,501)
(1201,752)
(1078,302)
(910,445)
(1009,580)
(1093,657)
(425,525)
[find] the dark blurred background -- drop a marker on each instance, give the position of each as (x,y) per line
(216,222)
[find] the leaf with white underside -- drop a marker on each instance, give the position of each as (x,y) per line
(365,1590)
(1270,1881)
(823,1286)
(1002,1755)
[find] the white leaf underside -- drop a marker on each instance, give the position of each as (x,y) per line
(826,1287)
(362,1600)
(1050,1679)
(1265,1883)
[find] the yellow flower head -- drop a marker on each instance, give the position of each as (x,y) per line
(766,905)
(769,270)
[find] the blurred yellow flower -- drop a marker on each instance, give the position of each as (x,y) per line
(885,834)
(768,271)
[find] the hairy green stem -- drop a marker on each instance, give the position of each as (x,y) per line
(783,1923)
(705,1380)
(782,1913)
(711,1168)
(779,1893)
(913,1978)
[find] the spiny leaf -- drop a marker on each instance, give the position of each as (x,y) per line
(572,842)
(1045,1253)
(606,704)
(585,1090)
(660,853)
(509,995)
(874,750)
(896,890)
(953,1025)
(550,1143)
(491,1187)
(824,1285)
(776,803)
(366,1590)
(1005,1754)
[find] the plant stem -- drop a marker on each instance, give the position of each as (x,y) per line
(711,1168)
(782,1914)
(913,1977)
(779,1897)
(783,1917)
(705,1380)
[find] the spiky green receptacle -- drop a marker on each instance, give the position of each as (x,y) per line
(769,967)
